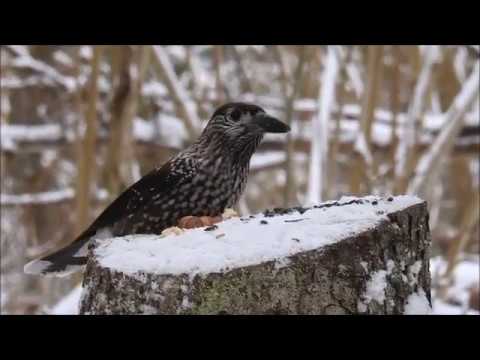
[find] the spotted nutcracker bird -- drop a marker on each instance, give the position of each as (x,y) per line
(202,180)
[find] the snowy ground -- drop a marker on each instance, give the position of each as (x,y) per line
(69,304)
(466,275)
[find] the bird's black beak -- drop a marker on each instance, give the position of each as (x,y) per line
(269,124)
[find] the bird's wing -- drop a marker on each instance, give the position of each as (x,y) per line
(138,194)
(71,257)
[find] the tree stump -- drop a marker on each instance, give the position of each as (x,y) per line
(353,256)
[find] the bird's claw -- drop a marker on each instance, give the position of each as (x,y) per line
(191,222)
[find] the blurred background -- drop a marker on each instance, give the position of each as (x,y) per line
(81,123)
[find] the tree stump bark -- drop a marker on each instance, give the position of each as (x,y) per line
(381,270)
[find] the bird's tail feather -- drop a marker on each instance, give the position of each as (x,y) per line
(61,263)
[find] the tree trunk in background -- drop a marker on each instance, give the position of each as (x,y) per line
(394,105)
(363,161)
(290,186)
(86,162)
(219,86)
(375,272)
(4,110)
(245,81)
(128,67)
(283,71)
(375,64)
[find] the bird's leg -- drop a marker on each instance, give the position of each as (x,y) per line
(190,222)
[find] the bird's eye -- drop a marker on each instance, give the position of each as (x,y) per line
(235,115)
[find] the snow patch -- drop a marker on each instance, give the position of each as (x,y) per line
(376,287)
(69,305)
(465,276)
(390,266)
(417,304)
(414,270)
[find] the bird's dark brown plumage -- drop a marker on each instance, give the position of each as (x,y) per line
(203,180)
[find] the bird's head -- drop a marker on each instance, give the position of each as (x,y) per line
(237,129)
(237,120)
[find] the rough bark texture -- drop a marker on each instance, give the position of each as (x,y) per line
(330,280)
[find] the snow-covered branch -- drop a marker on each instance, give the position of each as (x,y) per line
(38,198)
(26,61)
(430,162)
(169,131)
(43,198)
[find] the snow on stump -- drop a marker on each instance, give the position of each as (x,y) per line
(365,255)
